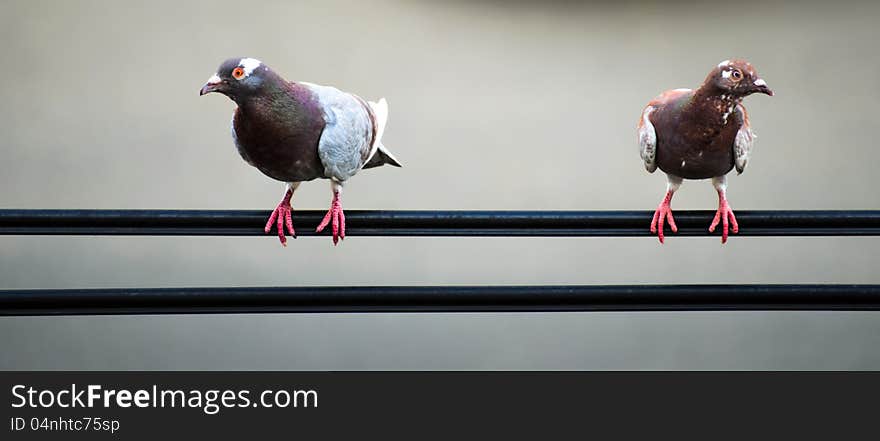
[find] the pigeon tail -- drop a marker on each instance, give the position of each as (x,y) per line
(380,154)
(380,110)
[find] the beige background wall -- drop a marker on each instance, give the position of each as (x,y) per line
(494,105)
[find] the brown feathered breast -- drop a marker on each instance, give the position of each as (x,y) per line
(695,133)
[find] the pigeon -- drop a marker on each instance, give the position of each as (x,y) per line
(701,134)
(297,131)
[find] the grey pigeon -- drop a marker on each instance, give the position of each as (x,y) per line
(297,131)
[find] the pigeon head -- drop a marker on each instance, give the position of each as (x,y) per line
(738,78)
(239,78)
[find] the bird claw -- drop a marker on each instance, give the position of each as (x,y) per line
(727,219)
(661,215)
(336,218)
(282,216)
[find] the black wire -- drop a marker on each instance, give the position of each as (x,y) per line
(439,299)
(432,223)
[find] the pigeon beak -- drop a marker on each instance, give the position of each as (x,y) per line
(212,85)
(761,87)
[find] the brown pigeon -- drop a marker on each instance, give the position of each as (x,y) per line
(297,131)
(701,134)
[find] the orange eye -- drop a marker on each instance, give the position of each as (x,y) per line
(238,73)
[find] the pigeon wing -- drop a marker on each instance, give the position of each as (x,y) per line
(745,138)
(648,140)
(346,142)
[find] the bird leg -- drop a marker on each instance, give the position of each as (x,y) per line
(282,215)
(335,215)
(724,213)
(664,211)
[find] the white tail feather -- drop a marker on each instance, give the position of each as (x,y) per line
(380,109)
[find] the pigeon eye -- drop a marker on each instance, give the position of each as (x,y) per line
(238,73)
(737,74)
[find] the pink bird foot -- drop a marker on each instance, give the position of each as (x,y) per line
(663,213)
(337,217)
(281,216)
(726,217)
